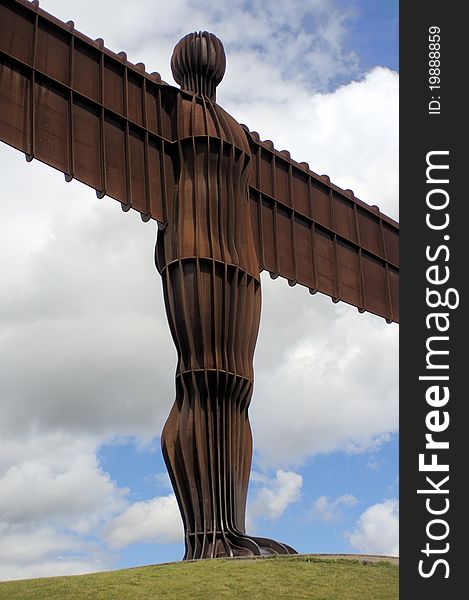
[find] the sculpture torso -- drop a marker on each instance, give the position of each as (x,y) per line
(209,240)
(209,216)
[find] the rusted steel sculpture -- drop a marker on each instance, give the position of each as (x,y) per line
(228,207)
(210,271)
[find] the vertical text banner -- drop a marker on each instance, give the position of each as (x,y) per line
(434,240)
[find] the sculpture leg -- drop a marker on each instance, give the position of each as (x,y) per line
(213,311)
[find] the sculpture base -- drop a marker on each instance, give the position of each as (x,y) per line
(230,545)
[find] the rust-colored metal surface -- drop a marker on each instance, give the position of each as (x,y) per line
(71,103)
(74,105)
(314,233)
(229,206)
(210,271)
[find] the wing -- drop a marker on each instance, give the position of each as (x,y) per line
(74,105)
(313,233)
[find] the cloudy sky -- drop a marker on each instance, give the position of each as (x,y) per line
(86,360)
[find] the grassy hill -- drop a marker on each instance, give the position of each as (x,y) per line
(279,578)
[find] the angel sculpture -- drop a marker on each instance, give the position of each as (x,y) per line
(228,206)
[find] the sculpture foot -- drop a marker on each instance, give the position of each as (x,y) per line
(232,544)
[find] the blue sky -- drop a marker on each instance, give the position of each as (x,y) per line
(368,477)
(86,360)
(374,32)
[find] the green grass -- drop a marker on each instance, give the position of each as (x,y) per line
(279,578)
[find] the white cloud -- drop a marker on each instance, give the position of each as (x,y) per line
(55,567)
(54,501)
(38,488)
(350,134)
(53,497)
(367,443)
(55,477)
(29,551)
(377,530)
(162,480)
(82,314)
(156,520)
(304,42)
(331,509)
(326,380)
(277,494)
(24,545)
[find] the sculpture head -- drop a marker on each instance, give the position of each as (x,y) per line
(198,63)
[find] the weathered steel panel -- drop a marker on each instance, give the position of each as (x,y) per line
(393,277)
(115,151)
(348,264)
(52,135)
(325,261)
(321,203)
(52,55)
(16,32)
(269,247)
(72,104)
(354,248)
(286,251)
(370,233)
(255,223)
(282,188)
(344,218)
(135,98)
(300,192)
(86,70)
(87,144)
(305,271)
(15,102)
(156,178)
(114,86)
(391,243)
(376,292)
(267,173)
(138,185)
